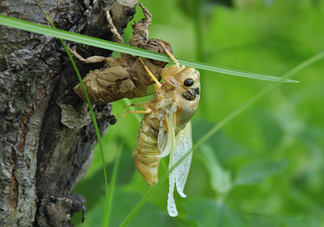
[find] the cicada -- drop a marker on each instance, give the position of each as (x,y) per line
(123,77)
(166,129)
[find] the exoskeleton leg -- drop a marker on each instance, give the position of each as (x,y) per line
(147,14)
(89,60)
(157,83)
(97,59)
(113,29)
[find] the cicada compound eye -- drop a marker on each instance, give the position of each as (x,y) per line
(188,82)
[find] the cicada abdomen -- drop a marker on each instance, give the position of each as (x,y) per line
(125,76)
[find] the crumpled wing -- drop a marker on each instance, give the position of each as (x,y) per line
(166,134)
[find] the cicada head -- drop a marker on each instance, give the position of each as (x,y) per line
(189,78)
(184,88)
(185,82)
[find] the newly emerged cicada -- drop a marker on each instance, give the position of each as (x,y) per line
(166,129)
(125,76)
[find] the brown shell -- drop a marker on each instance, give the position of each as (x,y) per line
(124,77)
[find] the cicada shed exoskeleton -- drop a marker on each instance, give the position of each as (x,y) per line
(125,76)
(166,129)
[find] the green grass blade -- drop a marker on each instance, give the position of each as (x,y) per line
(90,107)
(222,70)
(257,97)
(216,128)
(144,199)
(107,212)
(78,38)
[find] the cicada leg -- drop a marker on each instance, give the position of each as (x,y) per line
(169,53)
(147,14)
(98,59)
(136,104)
(157,83)
(89,60)
(145,111)
(113,29)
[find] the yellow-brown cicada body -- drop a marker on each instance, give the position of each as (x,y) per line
(166,129)
(125,76)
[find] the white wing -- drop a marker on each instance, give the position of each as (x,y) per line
(183,145)
(177,147)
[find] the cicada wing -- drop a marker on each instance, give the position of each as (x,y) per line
(178,177)
(166,134)
(166,144)
(183,145)
(172,208)
(164,139)
(177,147)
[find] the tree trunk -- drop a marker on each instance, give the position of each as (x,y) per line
(46,133)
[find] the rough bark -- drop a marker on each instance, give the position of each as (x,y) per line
(46,135)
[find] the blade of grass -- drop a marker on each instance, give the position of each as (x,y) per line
(107,212)
(217,127)
(78,38)
(257,97)
(223,70)
(141,203)
(90,107)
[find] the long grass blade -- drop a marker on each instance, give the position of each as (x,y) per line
(90,107)
(217,127)
(257,97)
(107,213)
(78,38)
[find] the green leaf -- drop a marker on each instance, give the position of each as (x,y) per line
(256,172)
(299,221)
(122,204)
(91,41)
(220,179)
(256,220)
(205,212)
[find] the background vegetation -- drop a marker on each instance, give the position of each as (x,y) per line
(265,167)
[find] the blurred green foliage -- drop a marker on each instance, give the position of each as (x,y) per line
(264,168)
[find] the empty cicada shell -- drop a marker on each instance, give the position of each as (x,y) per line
(125,76)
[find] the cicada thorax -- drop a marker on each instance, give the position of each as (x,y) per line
(185,90)
(180,87)
(123,77)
